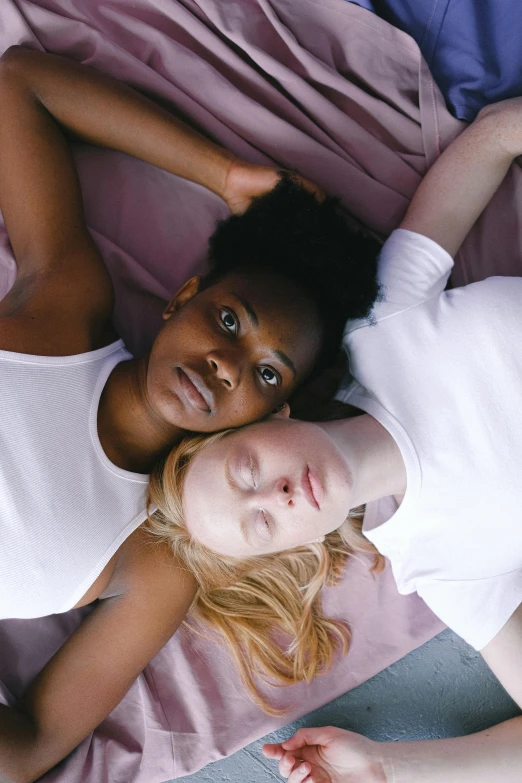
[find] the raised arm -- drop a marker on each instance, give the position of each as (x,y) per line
(98,664)
(62,286)
(460,184)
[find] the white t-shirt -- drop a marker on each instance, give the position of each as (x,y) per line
(442,371)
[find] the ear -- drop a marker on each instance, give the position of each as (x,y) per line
(184,295)
(281,412)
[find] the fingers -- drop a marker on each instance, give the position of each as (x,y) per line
(314,189)
(275,751)
(301,773)
(311,187)
(287,764)
(302,737)
(296,770)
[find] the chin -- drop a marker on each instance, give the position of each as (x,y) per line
(170,410)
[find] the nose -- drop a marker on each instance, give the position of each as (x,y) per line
(284,492)
(226,366)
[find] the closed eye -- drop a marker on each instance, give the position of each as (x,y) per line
(263,526)
(229,320)
(251,468)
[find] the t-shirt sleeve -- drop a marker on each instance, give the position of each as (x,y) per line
(411,269)
(476,609)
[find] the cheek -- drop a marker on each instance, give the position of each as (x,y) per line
(246,405)
(163,353)
(174,334)
(187,330)
(157,371)
(298,531)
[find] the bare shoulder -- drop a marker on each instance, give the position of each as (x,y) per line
(147,565)
(45,313)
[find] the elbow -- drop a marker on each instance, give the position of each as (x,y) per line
(9,65)
(11,56)
(14,60)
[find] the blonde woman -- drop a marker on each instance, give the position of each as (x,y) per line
(438,379)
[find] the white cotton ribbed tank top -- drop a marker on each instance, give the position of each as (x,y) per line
(64,507)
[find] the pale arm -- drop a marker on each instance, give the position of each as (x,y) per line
(490,756)
(463,180)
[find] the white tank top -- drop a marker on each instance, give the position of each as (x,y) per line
(64,507)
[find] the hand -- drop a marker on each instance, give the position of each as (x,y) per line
(328,755)
(247,181)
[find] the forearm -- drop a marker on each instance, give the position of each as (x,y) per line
(103,111)
(490,756)
(460,184)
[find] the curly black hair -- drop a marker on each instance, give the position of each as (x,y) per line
(310,243)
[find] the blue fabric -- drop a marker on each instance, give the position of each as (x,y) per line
(473,47)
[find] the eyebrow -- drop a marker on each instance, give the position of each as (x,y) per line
(252,316)
(254,320)
(286,361)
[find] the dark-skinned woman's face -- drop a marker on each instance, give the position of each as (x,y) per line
(233,352)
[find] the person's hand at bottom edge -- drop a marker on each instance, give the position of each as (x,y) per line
(327,755)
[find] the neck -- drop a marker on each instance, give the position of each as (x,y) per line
(372,457)
(132,434)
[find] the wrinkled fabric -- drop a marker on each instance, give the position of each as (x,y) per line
(326,88)
(472,48)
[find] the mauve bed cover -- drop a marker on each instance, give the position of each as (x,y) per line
(337,93)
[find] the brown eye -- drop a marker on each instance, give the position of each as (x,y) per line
(229,320)
(270,376)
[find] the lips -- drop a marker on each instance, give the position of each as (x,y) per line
(194,391)
(312,488)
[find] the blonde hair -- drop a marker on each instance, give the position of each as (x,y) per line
(267,609)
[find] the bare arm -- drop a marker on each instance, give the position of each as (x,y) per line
(460,184)
(490,756)
(96,666)
(103,111)
(62,298)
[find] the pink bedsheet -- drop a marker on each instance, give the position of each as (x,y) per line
(337,93)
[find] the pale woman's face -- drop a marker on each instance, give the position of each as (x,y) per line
(269,487)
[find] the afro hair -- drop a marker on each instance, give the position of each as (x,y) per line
(312,244)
